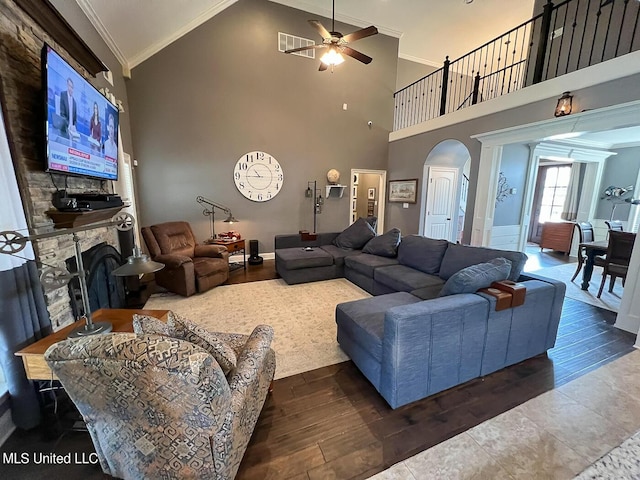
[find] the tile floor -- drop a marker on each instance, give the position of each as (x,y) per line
(554,436)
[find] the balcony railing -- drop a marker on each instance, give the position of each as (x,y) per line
(564,38)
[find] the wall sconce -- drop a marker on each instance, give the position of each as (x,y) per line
(563,107)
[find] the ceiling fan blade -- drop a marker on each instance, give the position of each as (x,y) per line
(323,67)
(357,35)
(300,49)
(324,33)
(357,55)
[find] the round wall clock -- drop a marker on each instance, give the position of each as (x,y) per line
(258,176)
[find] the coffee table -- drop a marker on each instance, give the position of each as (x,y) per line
(35,365)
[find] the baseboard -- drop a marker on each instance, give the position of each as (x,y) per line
(268,256)
(6,427)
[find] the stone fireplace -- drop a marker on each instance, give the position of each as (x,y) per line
(104,290)
(21,42)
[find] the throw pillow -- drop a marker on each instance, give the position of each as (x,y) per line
(475,277)
(150,325)
(355,236)
(422,253)
(187,330)
(385,245)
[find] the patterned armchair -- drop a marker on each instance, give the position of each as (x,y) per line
(161,407)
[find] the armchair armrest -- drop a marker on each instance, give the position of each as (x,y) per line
(251,360)
(214,251)
(173,261)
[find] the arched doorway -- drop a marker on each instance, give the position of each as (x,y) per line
(445,182)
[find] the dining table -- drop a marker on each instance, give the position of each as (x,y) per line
(591,249)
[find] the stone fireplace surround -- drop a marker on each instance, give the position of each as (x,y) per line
(21,41)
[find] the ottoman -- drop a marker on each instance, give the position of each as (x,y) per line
(299,265)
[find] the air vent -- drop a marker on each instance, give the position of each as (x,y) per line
(286,42)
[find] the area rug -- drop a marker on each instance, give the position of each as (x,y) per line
(303,317)
(609,301)
(621,463)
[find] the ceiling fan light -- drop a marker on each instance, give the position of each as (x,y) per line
(332,57)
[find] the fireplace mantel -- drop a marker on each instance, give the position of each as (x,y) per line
(78,219)
(45,15)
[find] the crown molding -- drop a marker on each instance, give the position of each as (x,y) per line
(196,22)
(411,58)
(91,14)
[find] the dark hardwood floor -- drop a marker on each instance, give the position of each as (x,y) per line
(331,423)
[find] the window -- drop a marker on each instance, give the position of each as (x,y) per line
(554,192)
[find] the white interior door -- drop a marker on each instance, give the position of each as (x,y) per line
(441,195)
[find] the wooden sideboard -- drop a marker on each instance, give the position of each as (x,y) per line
(557,236)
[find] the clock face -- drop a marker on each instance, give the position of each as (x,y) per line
(258,176)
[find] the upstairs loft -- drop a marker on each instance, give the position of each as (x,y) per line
(546,55)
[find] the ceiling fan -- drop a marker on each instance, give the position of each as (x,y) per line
(336,43)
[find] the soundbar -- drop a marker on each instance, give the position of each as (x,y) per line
(79,202)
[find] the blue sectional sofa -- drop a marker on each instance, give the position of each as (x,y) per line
(409,341)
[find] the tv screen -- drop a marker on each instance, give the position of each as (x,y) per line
(81,125)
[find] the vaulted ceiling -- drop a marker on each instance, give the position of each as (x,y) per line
(428,30)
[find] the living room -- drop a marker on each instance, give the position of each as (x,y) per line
(187,143)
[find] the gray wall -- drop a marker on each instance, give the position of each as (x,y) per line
(409,72)
(620,170)
(224,90)
(407,156)
(514,166)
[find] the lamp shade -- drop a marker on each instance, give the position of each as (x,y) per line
(230,219)
(137,264)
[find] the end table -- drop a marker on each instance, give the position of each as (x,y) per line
(234,247)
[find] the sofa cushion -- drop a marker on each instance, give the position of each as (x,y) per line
(298,258)
(458,257)
(475,277)
(422,253)
(356,235)
(404,279)
(366,263)
(339,254)
(194,333)
(428,293)
(385,245)
(363,320)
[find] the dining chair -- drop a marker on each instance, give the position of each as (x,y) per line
(617,261)
(585,234)
(614,225)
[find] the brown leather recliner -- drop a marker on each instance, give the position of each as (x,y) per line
(189,267)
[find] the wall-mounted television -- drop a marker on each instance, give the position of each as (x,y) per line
(81,124)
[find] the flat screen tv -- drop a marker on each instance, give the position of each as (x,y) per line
(81,124)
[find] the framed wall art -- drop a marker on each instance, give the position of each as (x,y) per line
(403,191)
